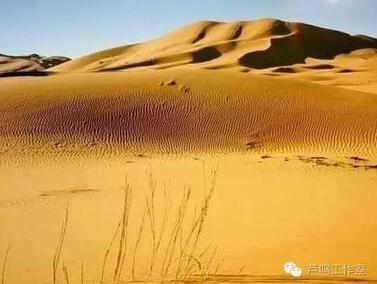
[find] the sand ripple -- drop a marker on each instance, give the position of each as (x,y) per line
(193,111)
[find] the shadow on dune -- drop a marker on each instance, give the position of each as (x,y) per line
(320,67)
(198,56)
(309,41)
(23,73)
(145,63)
(285,70)
(205,54)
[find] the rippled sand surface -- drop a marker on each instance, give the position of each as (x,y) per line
(295,175)
(182,111)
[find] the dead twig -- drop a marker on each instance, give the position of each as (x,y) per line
(5,264)
(59,247)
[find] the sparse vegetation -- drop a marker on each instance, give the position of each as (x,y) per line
(174,240)
(66,274)
(55,264)
(5,264)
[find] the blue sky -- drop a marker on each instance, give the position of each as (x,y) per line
(78,27)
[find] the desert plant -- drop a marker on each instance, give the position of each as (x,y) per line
(56,260)
(188,251)
(82,272)
(175,244)
(175,232)
(122,247)
(108,250)
(5,264)
(137,242)
(66,274)
(122,231)
(151,213)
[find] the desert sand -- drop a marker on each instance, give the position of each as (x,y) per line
(268,46)
(218,152)
(32,64)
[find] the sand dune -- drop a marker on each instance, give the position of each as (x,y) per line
(28,65)
(183,111)
(356,70)
(267,46)
(256,44)
(295,161)
(188,108)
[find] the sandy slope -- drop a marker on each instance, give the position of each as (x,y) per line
(356,70)
(266,46)
(256,44)
(28,65)
(182,110)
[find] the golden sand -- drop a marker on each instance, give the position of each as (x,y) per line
(202,111)
(267,46)
(279,119)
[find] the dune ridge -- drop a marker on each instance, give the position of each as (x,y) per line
(258,44)
(266,46)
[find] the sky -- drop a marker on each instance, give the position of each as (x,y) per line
(78,27)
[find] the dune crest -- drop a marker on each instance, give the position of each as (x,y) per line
(255,44)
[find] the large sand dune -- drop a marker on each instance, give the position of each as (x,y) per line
(256,44)
(182,110)
(266,46)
